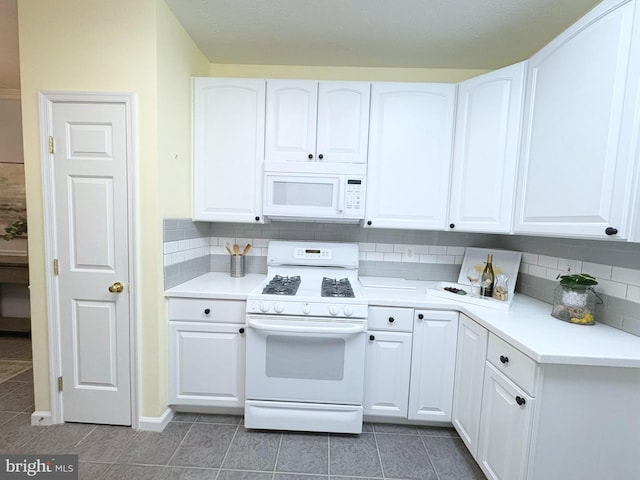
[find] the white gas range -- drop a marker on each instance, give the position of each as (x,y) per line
(306,340)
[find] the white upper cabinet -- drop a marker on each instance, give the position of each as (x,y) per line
(410,147)
(486,146)
(577,156)
(310,121)
(228,149)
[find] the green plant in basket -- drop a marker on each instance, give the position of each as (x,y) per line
(574,299)
(577,281)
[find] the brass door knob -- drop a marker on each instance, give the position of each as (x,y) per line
(116,287)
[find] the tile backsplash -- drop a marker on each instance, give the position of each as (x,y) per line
(193,248)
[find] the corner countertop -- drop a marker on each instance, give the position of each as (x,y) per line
(528,325)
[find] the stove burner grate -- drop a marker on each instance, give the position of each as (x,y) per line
(282,285)
(332,287)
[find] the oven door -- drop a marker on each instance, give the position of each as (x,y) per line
(304,359)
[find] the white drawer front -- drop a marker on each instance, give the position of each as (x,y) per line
(207,310)
(518,367)
(391,319)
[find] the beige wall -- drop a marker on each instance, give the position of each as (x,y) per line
(122,46)
(378,74)
(178,61)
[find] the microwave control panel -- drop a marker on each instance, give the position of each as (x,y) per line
(354,194)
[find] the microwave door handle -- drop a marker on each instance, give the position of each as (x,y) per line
(340,196)
(333,329)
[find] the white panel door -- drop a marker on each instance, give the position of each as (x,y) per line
(228,152)
(93,253)
(387,368)
(486,146)
(343,121)
(471,355)
(410,148)
(292,108)
(433,365)
(505,428)
(207,364)
(577,153)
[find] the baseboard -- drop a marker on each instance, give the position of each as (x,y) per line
(156,424)
(41,419)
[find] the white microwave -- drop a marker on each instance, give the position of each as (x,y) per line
(331,197)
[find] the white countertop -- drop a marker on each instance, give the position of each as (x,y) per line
(217,285)
(528,325)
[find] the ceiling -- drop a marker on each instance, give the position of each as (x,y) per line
(478,34)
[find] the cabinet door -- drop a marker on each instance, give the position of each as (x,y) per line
(486,146)
(410,146)
(343,122)
(228,136)
(207,364)
(292,107)
(387,367)
(505,428)
(576,163)
(432,365)
(467,387)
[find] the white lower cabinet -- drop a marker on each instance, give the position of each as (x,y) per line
(206,362)
(433,365)
(505,427)
(532,421)
(388,362)
(467,389)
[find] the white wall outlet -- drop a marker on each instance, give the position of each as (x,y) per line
(409,251)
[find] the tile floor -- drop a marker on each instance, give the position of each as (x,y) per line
(198,447)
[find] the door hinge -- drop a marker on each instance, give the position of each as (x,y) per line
(52,145)
(60,384)
(56,267)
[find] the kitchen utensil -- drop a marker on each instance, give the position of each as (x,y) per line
(236,249)
(246,249)
(228,249)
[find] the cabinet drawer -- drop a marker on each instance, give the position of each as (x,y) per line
(207,310)
(391,319)
(518,367)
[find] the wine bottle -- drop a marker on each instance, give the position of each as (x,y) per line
(488,278)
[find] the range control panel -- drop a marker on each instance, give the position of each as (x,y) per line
(313,253)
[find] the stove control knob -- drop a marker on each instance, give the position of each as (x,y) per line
(278,307)
(306,309)
(264,307)
(333,310)
(348,310)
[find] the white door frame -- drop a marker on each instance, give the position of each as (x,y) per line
(46,100)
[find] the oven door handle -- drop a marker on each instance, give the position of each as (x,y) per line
(333,329)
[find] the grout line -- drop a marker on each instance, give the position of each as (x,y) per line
(228,448)
(181,441)
(433,465)
(375,439)
(329,455)
(275,463)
